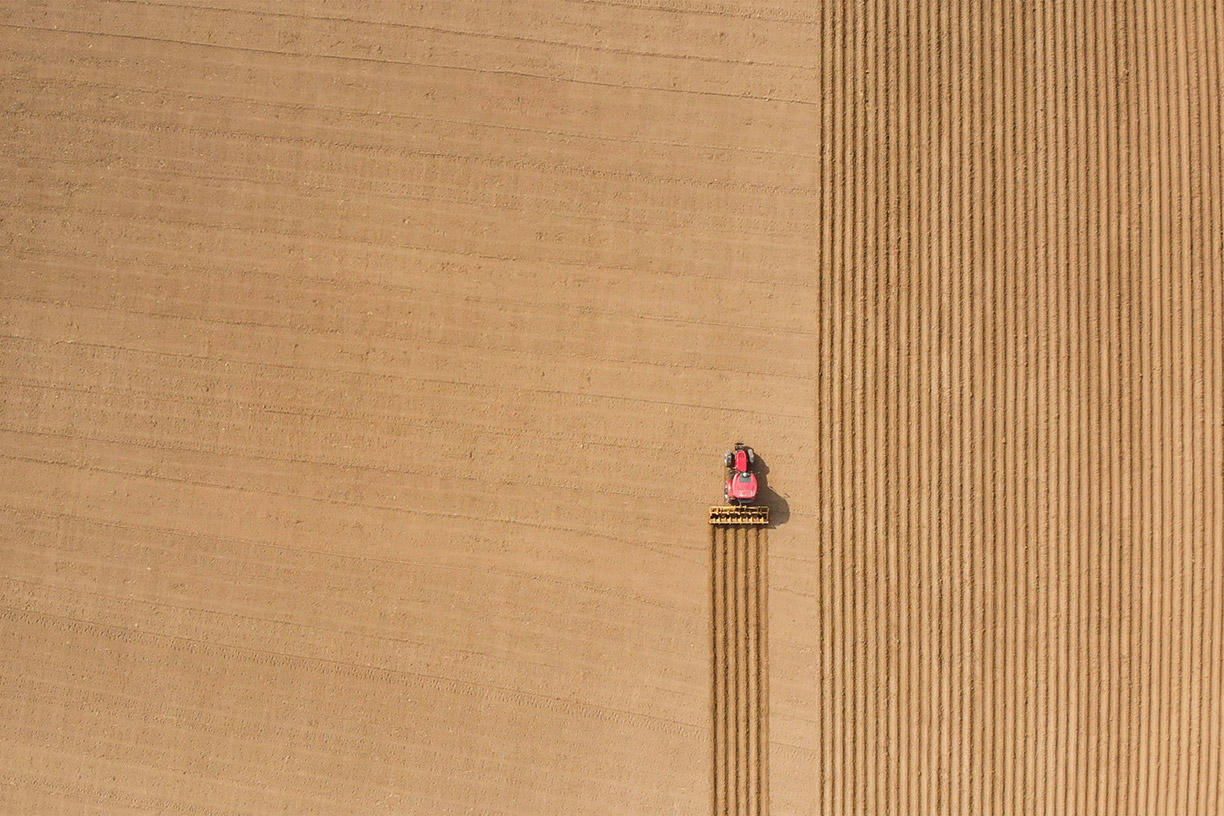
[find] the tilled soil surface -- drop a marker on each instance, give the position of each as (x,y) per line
(366,369)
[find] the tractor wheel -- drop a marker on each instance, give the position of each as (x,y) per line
(729,458)
(751,456)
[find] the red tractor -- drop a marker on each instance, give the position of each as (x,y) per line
(741,481)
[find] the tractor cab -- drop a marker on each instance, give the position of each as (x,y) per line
(741,482)
(742,487)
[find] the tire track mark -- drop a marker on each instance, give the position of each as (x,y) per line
(752,681)
(741,670)
(729,678)
(762,664)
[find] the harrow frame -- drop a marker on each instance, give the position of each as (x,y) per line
(734,514)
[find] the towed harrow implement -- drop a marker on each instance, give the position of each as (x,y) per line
(739,514)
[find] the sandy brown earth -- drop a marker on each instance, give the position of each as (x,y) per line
(365,371)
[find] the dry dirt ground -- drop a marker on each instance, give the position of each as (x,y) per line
(365,369)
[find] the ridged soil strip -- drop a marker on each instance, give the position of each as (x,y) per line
(739,633)
(752,676)
(718,540)
(761,628)
(1018,413)
(741,666)
(732,719)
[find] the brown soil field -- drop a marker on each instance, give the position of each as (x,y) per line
(366,369)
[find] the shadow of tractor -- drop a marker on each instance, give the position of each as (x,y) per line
(779,508)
